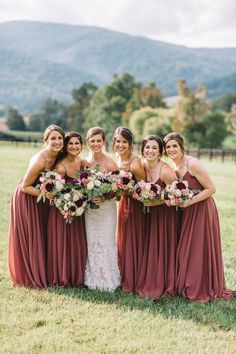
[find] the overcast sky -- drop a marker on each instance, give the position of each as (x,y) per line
(194,23)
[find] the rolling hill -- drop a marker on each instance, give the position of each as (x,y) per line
(38,60)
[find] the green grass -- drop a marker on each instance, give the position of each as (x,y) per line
(84,321)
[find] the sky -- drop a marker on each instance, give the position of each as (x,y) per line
(193,23)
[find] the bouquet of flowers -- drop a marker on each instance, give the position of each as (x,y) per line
(94,184)
(147,191)
(50,181)
(177,192)
(71,202)
(121,182)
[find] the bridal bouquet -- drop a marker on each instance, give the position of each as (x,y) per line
(147,191)
(95,184)
(71,202)
(50,181)
(177,192)
(121,182)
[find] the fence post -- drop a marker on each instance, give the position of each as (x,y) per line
(223,156)
(210,154)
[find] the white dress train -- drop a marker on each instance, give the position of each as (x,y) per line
(102,270)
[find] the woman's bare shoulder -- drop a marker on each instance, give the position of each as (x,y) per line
(38,160)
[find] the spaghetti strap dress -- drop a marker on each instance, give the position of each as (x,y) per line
(66,248)
(199,264)
(157,275)
(130,241)
(27,239)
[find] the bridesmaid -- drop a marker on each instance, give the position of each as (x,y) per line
(131,220)
(199,274)
(28,223)
(157,276)
(67,249)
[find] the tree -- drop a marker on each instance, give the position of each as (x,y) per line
(109,102)
(231,120)
(148,96)
(190,112)
(216,130)
(210,133)
(147,120)
(15,121)
(77,111)
(224,103)
(52,112)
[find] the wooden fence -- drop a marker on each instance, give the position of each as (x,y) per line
(223,154)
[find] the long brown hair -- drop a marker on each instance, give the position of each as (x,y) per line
(64,152)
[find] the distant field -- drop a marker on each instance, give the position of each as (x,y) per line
(83,321)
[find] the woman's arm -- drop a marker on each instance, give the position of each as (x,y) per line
(31,175)
(197,170)
(168,174)
(137,168)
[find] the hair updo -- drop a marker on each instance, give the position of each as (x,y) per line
(174,136)
(152,137)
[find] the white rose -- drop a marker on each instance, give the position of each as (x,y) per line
(57,202)
(67,196)
(90,185)
(178,193)
(75,197)
(97,183)
(59,185)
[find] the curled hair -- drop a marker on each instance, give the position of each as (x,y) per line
(64,152)
(51,128)
(126,134)
(174,136)
(94,131)
(152,137)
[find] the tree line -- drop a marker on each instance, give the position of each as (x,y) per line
(142,108)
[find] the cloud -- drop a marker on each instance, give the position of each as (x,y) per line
(198,23)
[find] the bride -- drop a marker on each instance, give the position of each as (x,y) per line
(102,270)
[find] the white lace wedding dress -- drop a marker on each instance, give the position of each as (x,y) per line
(102,270)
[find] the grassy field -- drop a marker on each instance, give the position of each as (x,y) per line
(83,321)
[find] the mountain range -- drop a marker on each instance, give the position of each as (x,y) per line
(40,60)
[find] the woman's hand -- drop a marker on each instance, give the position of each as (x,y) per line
(152,203)
(186,203)
(168,202)
(49,196)
(98,200)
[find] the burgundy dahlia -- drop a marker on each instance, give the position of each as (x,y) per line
(125,180)
(49,187)
(181,185)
